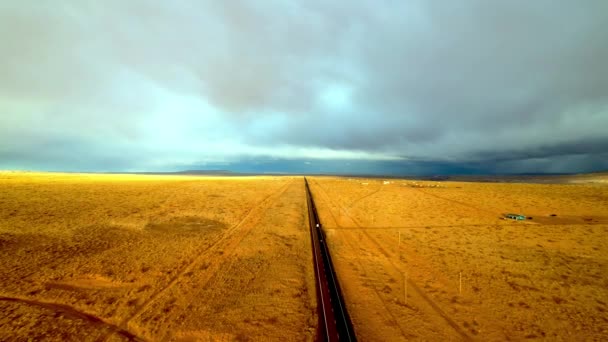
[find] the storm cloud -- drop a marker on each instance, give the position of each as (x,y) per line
(497,86)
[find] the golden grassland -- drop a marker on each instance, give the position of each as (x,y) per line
(115,257)
(187,258)
(436,261)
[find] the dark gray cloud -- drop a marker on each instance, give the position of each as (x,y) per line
(123,85)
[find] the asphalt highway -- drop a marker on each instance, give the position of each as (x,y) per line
(334,322)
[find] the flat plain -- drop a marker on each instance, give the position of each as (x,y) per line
(421,260)
(180,258)
(125,257)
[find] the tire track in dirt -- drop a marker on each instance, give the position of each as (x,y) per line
(217,280)
(444,226)
(331,213)
(213,247)
(352,204)
(75,313)
(392,317)
(416,288)
(365,196)
(231,263)
(457,202)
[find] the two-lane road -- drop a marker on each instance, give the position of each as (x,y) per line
(334,322)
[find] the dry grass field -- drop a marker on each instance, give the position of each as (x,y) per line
(470,274)
(124,257)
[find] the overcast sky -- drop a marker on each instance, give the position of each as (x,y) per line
(501,85)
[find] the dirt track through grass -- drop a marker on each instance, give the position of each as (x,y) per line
(517,279)
(121,257)
(394,271)
(155,257)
